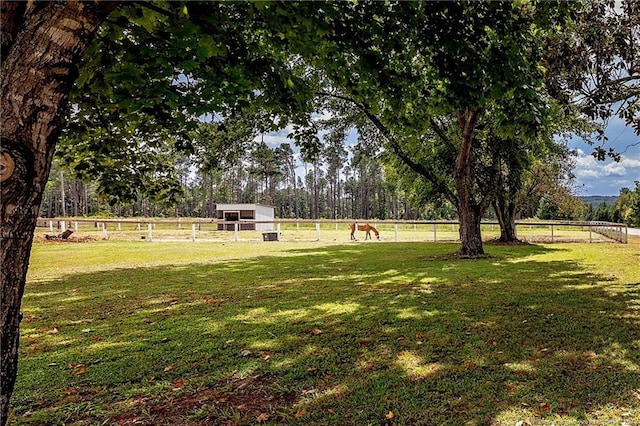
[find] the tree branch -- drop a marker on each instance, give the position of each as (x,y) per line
(441,134)
(153,7)
(397,149)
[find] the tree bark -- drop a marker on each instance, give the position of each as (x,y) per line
(506,214)
(469,209)
(40,64)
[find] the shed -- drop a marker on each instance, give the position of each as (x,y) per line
(244,212)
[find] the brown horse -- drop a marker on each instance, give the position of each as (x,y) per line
(364,227)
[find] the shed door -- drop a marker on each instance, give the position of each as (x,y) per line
(231,217)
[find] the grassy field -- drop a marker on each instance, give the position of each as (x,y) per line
(322,333)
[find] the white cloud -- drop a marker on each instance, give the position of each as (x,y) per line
(630,162)
(586,173)
(614,169)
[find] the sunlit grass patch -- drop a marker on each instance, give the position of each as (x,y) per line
(310,333)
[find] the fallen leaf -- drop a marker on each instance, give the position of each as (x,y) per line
(263,417)
(75,365)
(301,413)
(169,367)
(179,383)
(87,330)
(79,371)
(389,415)
(245,353)
(317,331)
(71,391)
(95,338)
(54,330)
(31,319)
(544,406)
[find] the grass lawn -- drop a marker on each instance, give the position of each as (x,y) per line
(128,332)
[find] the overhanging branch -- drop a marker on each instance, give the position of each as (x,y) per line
(395,146)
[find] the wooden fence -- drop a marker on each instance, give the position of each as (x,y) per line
(185,229)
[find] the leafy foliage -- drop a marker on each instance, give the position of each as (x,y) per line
(593,66)
(153,72)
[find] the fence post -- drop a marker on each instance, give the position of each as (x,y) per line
(193,232)
(552,232)
(355,230)
(395,228)
(279,232)
(149,232)
(590,239)
(105,235)
(434,233)
(50,226)
(179,223)
(75,225)
(63,226)
(236,227)
(318,231)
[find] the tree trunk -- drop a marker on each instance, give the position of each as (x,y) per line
(506,214)
(40,63)
(469,209)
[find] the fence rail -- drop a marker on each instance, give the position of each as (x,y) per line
(204,229)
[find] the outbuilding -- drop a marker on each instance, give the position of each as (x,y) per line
(251,213)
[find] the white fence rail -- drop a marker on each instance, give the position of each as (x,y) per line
(185,229)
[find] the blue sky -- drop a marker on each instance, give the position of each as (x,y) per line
(608,177)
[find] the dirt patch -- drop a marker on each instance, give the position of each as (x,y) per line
(230,402)
(55,239)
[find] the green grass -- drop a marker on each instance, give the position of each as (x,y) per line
(313,333)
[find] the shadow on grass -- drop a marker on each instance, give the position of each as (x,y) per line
(352,334)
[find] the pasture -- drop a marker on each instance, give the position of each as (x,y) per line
(333,332)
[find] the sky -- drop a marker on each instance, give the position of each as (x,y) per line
(607,177)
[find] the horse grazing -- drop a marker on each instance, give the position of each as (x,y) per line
(364,227)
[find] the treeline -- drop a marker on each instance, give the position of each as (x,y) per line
(356,186)
(625,210)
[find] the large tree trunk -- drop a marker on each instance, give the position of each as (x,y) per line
(42,46)
(469,209)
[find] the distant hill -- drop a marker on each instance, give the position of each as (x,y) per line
(599,199)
